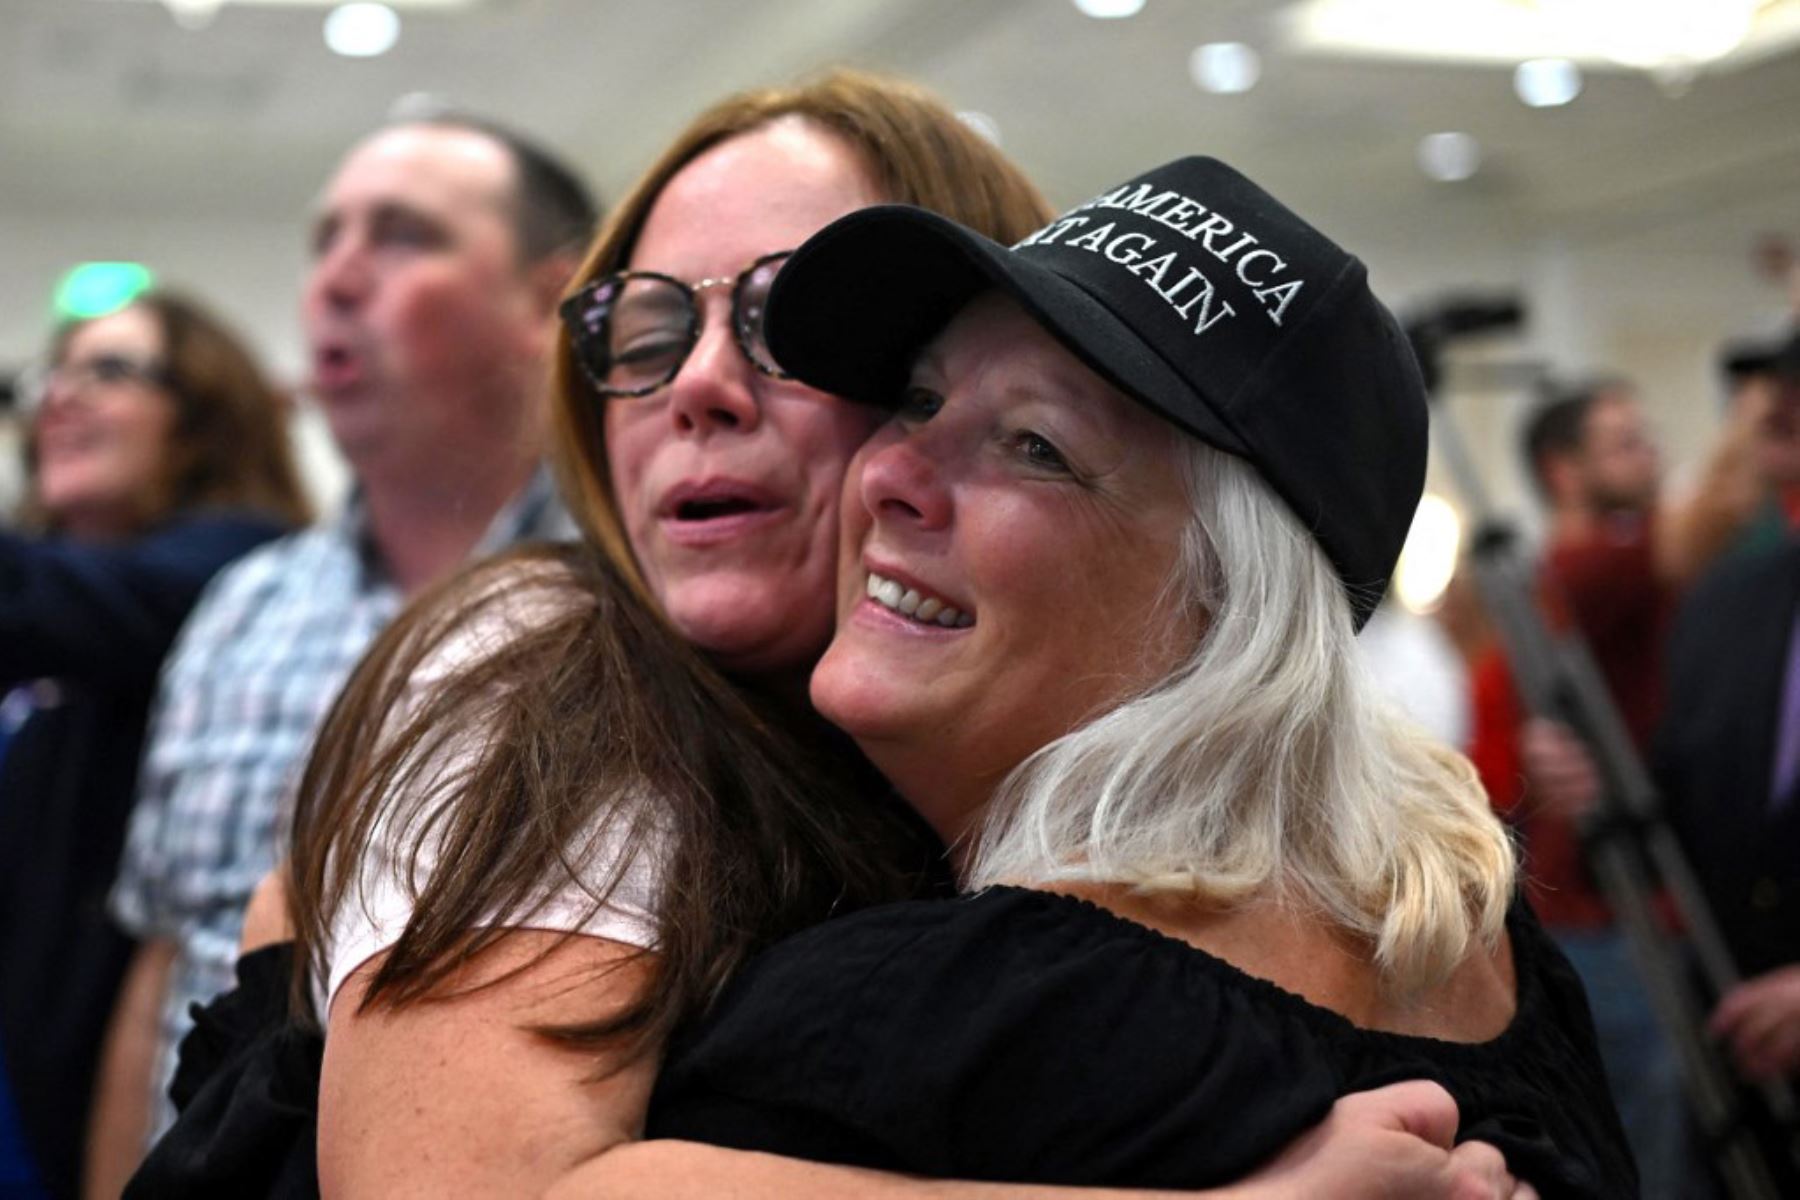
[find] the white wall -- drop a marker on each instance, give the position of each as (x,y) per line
(1655,316)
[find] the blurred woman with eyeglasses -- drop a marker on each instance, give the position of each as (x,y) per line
(156,453)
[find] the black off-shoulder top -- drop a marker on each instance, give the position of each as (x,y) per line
(1031,1036)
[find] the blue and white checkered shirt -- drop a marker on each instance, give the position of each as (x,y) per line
(241,697)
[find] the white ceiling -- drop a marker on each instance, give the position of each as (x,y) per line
(111,111)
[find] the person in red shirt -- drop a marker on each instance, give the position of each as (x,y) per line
(1608,574)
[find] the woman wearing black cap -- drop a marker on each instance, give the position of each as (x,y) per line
(632,700)
(1146,474)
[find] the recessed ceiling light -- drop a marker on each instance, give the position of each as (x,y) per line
(362,30)
(1547,82)
(1225,68)
(1449,157)
(1110,10)
(981,123)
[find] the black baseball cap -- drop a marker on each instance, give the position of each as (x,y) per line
(1188,288)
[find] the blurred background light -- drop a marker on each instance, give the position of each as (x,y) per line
(1225,68)
(193,14)
(362,30)
(94,289)
(1449,157)
(1648,34)
(1429,558)
(1110,10)
(1547,82)
(981,123)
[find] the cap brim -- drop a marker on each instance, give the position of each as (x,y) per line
(856,303)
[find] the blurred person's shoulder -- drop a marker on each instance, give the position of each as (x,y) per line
(308,567)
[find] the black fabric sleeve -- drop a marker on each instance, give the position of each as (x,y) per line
(107,614)
(247,1086)
(993,1040)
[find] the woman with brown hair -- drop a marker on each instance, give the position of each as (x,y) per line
(571,793)
(157,453)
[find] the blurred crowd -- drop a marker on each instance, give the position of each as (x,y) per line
(1685,592)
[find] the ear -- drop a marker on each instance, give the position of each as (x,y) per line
(549,278)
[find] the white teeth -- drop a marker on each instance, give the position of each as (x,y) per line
(910,602)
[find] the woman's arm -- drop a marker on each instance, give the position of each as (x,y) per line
(108,612)
(1393,1142)
(456,1096)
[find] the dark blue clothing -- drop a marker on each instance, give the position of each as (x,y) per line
(1036,1038)
(84,627)
(1715,754)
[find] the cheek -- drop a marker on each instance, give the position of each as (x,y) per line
(824,433)
(444,317)
(629,445)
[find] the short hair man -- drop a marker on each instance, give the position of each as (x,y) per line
(439,250)
(1591,455)
(1594,462)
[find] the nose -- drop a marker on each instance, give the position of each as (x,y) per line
(340,276)
(901,484)
(716,388)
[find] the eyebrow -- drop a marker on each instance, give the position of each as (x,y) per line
(326,223)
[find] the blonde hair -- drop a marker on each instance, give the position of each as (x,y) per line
(1265,763)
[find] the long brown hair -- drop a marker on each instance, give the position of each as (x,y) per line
(764,817)
(229,447)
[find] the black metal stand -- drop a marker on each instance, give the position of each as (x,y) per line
(1751,1132)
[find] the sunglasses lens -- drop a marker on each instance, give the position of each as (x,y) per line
(632,333)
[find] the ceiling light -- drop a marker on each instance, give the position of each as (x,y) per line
(362,30)
(981,123)
(193,14)
(1449,157)
(1657,33)
(1225,68)
(1547,82)
(1110,10)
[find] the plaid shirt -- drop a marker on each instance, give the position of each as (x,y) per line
(241,696)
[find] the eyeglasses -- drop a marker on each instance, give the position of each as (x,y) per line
(633,330)
(33,385)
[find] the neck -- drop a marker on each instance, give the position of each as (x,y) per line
(947,796)
(98,525)
(423,525)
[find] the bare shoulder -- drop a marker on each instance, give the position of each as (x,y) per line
(463,1092)
(1301,953)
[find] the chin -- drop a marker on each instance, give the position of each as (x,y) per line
(749,637)
(854,697)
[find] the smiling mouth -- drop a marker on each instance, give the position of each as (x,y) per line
(915,605)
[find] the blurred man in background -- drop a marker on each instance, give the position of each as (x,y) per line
(440,249)
(1708,702)
(1605,571)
